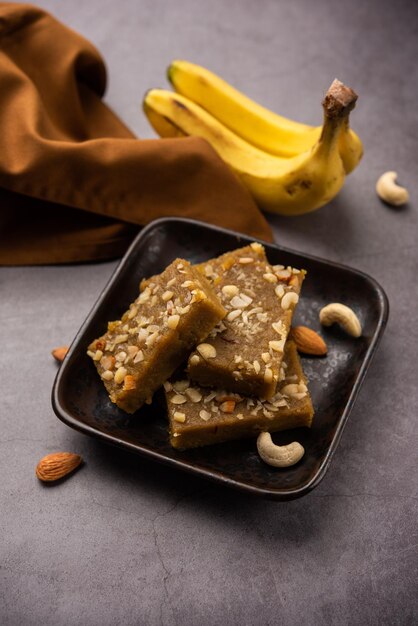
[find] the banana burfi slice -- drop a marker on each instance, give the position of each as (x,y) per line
(244,352)
(175,311)
(199,416)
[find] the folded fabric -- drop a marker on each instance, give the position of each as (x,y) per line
(75,183)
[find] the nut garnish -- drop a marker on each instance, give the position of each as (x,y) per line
(257,247)
(129,383)
(206,350)
(139,356)
(120,375)
(244,260)
(308,341)
(193,394)
(107,375)
(178,399)
(172,321)
(268,375)
(228,406)
(204,415)
(389,191)
(179,417)
(270,278)
(167,295)
(194,360)
(57,465)
(59,353)
(232,315)
(279,291)
(230,290)
(342,315)
(278,456)
(288,299)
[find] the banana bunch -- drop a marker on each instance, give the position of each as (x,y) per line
(289,168)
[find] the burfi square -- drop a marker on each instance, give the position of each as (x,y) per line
(244,351)
(199,416)
(175,311)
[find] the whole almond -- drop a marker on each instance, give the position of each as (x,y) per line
(59,353)
(308,341)
(57,465)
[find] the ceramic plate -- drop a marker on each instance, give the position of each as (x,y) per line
(79,398)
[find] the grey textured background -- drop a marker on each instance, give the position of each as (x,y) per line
(129,542)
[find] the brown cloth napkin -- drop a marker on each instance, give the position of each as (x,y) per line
(74,181)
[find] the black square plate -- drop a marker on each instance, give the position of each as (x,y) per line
(79,398)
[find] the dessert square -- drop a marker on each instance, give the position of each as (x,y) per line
(244,351)
(199,416)
(174,312)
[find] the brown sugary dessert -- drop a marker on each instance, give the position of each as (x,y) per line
(243,353)
(199,416)
(175,311)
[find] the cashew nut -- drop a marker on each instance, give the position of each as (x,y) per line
(342,315)
(278,456)
(389,191)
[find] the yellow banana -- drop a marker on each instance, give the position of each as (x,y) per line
(288,186)
(262,128)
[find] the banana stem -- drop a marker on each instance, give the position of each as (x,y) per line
(338,103)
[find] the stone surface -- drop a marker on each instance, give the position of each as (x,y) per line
(126,541)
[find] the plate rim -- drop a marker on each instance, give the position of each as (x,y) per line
(279,494)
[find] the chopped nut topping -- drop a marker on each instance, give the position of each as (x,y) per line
(279,327)
(121,356)
(182,310)
(129,383)
(171,281)
(277,346)
(172,321)
(178,399)
(228,406)
(107,375)
(167,295)
(179,417)
(230,290)
(232,315)
(290,390)
(194,360)
(283,275)
(193,394)
(120,338)
(257,367)
(139,357)
(97,355)
(204,415)
(241,301)
(266,356)
(133,312)
(188,283)
(120,375)
(151,339)
(244,260)
(288,299)
(132,350)
(107,362)
(270,278)
(279,291)
(268,375)
(206,350)
(257,247)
